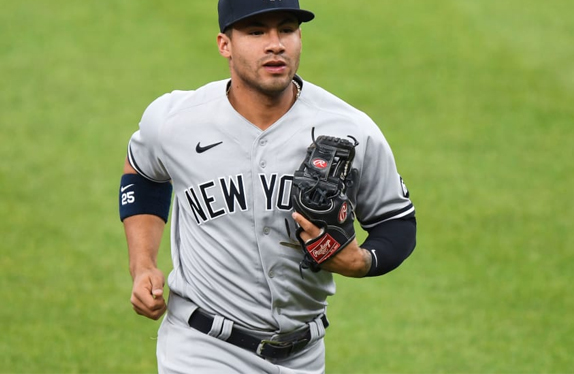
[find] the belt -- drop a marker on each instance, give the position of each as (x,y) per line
(265,348)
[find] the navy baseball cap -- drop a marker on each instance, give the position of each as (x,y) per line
(231,11)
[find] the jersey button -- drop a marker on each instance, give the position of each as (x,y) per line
(263,164)
(266,230)
(262,142)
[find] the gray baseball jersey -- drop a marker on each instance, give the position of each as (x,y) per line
(231,185)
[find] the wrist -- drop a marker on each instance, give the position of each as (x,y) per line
(141,268)
(367,262)
(356,265)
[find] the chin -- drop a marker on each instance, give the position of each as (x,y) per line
(277,84)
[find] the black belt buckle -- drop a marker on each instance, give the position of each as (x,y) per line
(276,349)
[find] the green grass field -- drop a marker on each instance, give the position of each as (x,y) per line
(475,98)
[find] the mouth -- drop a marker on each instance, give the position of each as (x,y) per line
(275,66)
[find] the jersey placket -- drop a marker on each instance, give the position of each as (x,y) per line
(264,216)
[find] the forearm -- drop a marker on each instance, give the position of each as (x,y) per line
(143,234)
(352,261)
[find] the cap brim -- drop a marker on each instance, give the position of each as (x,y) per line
(302,15)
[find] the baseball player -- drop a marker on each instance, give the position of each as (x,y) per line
(239,299)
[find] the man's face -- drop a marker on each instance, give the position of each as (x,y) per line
(263,51)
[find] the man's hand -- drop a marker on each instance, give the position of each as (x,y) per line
(147,294)
(351,261)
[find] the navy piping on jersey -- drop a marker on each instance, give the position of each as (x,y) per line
(406,212)
(134,164)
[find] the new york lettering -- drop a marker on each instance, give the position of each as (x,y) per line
(217,198)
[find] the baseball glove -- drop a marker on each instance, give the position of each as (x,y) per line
(320,194)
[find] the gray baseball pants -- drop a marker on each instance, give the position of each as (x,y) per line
(183,349)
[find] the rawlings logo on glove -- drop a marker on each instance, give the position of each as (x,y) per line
(323,249)
(319,193)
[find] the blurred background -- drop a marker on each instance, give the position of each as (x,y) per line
(475,98)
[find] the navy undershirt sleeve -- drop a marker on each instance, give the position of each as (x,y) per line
(390,243)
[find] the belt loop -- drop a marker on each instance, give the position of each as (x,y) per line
(316,329)
(216,326)
(226,330)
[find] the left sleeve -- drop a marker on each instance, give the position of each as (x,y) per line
(381,195)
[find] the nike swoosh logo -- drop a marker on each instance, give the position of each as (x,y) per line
(126,187)
(375,256)
(200,149)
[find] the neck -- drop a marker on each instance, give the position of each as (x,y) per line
(261,109)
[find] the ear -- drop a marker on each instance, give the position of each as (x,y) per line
(223,43)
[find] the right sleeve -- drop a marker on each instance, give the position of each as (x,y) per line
(145,150)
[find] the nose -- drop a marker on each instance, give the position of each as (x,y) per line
(275,44)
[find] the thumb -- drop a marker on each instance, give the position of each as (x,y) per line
(157,286)
(157,292)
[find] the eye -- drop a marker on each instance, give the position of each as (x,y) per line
(255,32)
